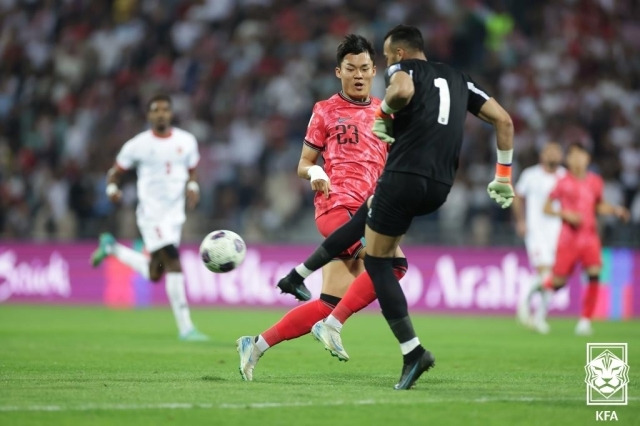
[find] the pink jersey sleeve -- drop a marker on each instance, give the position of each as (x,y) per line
(316,136)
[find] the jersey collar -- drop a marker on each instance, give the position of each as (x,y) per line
(159,136)
(348,99)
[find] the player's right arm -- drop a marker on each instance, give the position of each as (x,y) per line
(125,160)
(314,142)
(308,169)
(114,175)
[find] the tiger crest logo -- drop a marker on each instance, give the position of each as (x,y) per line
(607,374)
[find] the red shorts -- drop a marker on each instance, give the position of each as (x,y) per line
(332,220)
(583,248)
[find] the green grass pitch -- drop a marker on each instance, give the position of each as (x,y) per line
(94,366)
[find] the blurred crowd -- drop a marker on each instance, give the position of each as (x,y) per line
(243,76)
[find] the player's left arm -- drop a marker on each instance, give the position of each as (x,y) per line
(604,208)
(193,189)
(500,188)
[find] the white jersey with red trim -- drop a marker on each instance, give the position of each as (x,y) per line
(162,165)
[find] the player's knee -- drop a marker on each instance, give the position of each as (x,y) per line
(171,251)
(155,274)
(377,267)
(558,282)
(330,300)
(400,266)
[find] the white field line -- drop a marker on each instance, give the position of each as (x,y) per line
(267,405)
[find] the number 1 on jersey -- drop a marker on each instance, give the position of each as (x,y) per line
(445,100)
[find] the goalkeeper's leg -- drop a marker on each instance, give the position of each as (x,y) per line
(337,242)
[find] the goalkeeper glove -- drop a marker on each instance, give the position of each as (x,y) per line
(500,188)
(383,124)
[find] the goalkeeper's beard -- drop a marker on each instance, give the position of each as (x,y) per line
(553,165)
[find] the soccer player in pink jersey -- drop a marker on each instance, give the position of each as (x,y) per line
(579,195)
(340,132)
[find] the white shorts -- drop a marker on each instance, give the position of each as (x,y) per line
(541,250)
(158,235)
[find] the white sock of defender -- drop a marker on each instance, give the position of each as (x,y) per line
(536,286)
(178,299)
(262,344)
(545,299)
(332,321)
(407,347)
(303,270)
(136,260)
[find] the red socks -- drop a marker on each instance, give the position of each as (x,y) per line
(590,299)
(360,295)
(297,322)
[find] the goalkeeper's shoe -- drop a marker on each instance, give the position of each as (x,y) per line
(293,283)
(413,370)
(194,335)
(105,248)
(249,356)
(329,336)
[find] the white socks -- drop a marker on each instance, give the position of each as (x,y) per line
(262,344)
(333,322)
(178,299)
(303,270)
(174,284)
(407,347)
(136,260)
(545,299)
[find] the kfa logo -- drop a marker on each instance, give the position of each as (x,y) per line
(606,416)
(607,374)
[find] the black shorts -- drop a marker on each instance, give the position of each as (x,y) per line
(399,197)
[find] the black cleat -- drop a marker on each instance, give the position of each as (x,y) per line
(412,371)
(289,284)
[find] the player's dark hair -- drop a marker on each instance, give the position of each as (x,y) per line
(158,97)
(354,44)
(409,36)
(577,145)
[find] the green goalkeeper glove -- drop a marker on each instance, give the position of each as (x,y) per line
(383,126)
(500,188)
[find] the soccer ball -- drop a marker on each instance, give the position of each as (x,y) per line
(222,251)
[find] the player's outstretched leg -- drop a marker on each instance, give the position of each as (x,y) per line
(249,356)
(105,248)
(293,283)
(329,336)
(413,370)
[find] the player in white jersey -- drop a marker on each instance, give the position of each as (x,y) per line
(540,231)
(165,159)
